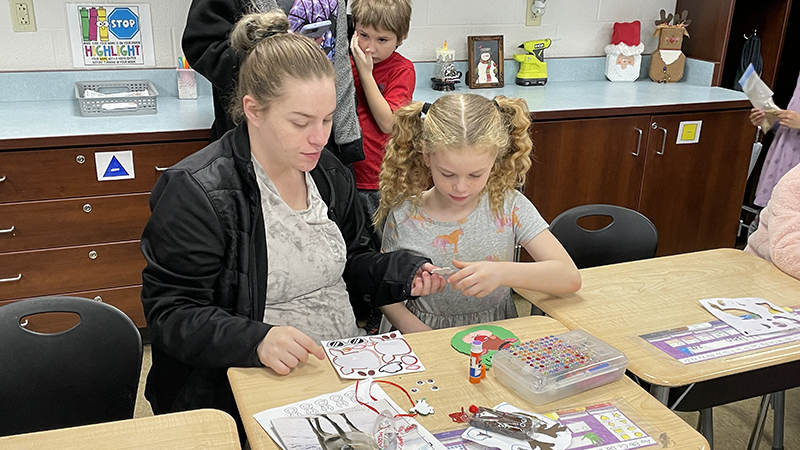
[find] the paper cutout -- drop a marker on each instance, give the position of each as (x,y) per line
(757,315)
(493,337)
(372,356)
(274,421)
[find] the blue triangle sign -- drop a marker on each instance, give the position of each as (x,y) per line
(115,169)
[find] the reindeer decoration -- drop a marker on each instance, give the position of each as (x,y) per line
(667,62)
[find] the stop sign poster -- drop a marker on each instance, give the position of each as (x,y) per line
(107,36)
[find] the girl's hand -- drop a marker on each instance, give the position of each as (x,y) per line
(477,279)
(362,60)
(426,283)
(757,117)
(789,118)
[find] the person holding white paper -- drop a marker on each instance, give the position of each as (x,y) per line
(784,152)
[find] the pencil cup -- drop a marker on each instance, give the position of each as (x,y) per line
(187,85)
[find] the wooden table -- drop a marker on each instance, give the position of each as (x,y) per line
(258,389)
(203,428)
(620,302)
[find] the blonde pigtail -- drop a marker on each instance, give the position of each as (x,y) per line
(513,162)
(403,173)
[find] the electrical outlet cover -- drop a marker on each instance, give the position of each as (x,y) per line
(530,19)
(22,18)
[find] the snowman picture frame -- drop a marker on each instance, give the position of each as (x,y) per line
(485,62)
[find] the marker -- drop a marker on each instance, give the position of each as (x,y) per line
(476,370)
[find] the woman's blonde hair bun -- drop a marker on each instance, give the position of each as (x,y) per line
(254,28)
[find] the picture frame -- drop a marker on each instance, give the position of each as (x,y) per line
(485,62)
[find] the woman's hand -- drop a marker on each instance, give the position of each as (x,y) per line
(757,117)
(362,59)
(283,348)
(476,279)
(789,118)
(426,283)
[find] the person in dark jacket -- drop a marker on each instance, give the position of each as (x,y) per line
(254,239)
(206,45)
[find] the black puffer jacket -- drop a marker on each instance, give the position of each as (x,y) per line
(204,287)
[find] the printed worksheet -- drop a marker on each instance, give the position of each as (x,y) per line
(362,357)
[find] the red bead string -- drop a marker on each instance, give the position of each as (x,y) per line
(375,399)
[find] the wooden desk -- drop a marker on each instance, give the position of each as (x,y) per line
(257,389)
(620,302)
(203,428)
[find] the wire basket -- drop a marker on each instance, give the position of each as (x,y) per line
(118,105)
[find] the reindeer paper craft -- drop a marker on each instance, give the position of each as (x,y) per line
(667,62)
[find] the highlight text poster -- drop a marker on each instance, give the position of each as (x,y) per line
(107,35)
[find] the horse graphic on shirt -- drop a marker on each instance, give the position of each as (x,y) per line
(442,240)
(505,221)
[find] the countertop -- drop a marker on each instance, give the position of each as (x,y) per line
(54,119)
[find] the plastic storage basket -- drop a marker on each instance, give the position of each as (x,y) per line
(123,105)
(553,367)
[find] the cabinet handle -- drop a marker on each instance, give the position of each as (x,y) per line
(3,178)
(639,142)
(161,169)
(663,141)
(7,230)
(6,280)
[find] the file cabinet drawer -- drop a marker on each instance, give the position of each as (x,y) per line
(58,223)
(72,269)
(51,174)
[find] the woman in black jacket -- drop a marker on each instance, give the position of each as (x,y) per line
(252,239)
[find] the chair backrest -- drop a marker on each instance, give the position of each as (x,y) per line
(87,374)
(629,236)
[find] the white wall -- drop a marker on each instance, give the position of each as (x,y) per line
(577,27)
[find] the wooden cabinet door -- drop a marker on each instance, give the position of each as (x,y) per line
(70,269)
(50,174)
(693,192)
(577,162)
(60,223)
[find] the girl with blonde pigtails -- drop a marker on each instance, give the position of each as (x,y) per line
(448,192)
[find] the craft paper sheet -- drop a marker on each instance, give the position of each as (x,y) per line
(363,357)
(336,402)
(597,427)
(711,340)
(763,317)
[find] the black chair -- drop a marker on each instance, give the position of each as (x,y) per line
(629,236)
(86,374)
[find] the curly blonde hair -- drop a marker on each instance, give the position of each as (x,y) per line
(455,121)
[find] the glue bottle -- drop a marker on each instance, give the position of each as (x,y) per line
(476,370)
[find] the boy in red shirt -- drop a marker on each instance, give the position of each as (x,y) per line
(384,81)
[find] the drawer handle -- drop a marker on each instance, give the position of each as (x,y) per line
(639,142)
(161,169)
(663,141)
(7,230)
(6,280)
(3,178)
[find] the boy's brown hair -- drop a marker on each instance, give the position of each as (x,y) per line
(388,15)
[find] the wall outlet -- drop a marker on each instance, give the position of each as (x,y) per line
(531,20)
(22,18)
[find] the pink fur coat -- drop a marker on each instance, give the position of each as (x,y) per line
(777,238)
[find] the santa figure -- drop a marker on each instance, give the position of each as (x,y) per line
(486,71)
(624,53)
